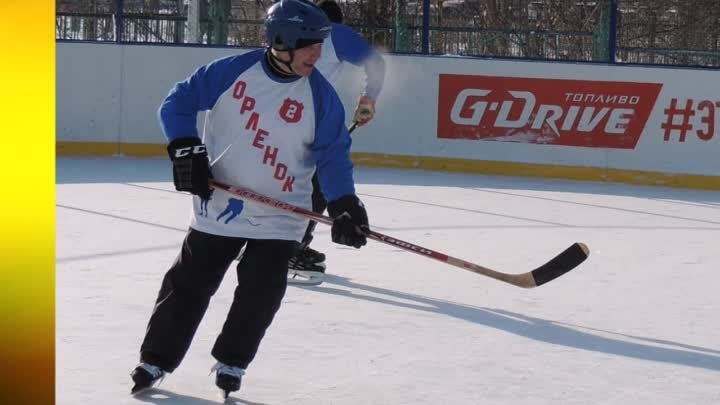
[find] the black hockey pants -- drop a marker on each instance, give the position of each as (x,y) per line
(319,203)
(195,276)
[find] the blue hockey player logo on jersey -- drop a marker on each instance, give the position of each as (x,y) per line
(233,209)
(203,207)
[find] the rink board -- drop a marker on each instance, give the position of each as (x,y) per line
(630,124)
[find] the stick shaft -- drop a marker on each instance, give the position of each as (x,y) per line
(352,127)
(525,280)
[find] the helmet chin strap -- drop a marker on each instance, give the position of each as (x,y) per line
(287,64)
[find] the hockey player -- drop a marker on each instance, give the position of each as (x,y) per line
(344,46)
(272,120)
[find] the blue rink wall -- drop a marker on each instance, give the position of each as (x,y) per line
(628,124)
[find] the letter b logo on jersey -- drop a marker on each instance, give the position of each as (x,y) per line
(291,111)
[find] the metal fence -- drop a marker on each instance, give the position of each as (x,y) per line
(667,32)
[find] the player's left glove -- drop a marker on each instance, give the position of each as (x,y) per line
(191,169)
(365,110)
(350,221)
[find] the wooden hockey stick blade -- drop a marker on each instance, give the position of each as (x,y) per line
(561,264)
(556,267)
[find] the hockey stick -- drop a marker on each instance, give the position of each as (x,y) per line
(352,127)
(556,267)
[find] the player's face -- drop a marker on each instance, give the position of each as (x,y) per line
(305,58)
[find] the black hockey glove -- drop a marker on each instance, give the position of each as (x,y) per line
(350,221)
(191,169)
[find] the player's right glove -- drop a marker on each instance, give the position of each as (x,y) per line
(350,221)
(191,169)
(365,110)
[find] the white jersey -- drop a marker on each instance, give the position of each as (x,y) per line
(265,133)
(329,63)
(346,46)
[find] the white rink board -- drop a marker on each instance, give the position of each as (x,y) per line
(110,93)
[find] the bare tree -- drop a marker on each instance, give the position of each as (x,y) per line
(657,31)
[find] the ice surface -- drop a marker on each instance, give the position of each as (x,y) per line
(637,323)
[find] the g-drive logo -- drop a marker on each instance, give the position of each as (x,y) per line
(549,111)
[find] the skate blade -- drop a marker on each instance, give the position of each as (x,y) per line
(140,391)
(319,264)
(299,277)
(225,395)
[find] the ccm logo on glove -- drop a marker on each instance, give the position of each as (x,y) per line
(191,150)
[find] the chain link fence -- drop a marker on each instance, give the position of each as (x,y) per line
(666,32)
(675,32)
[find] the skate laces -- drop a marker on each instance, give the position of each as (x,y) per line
(223,368)
(309,254)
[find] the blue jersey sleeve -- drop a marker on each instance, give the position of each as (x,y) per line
(331,147)
(349,45)
(352,48)
(178,112)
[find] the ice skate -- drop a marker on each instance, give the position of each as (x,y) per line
(145,376)
(307,267)
(227,378)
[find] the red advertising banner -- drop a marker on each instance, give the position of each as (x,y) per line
(594,114)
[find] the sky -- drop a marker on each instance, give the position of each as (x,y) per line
(637,323)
